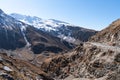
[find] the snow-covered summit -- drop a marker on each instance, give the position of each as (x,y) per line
(48,25)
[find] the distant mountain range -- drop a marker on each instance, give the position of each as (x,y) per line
(61,29)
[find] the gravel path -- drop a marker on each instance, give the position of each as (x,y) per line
(106,46)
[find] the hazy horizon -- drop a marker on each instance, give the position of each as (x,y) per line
(84,13)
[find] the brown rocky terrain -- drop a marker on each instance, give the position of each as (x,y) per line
(15,69)
(90,62)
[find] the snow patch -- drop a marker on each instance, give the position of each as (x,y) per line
(7,68)
(23,28)
(67,38)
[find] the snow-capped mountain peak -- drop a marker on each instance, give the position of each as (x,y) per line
(48,25)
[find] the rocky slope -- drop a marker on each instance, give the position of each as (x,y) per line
(90,61)
(93,60)
(15,69)
(110,35)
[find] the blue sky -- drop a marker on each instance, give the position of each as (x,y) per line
(92,14)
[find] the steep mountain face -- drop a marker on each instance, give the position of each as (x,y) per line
(16,34)
(60,29)
(110,35)
(11,32)
(42,41)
